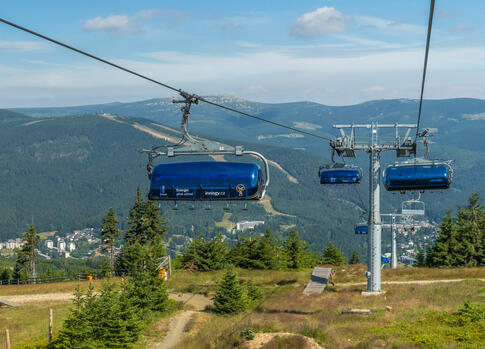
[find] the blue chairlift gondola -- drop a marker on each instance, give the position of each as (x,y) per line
(206,180)
(338,173)
(418,174)
(361,229)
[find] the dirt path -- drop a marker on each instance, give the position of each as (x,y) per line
(268,207)
(279,167)
(179,322)
(198,301)
(176,331)
(261,339)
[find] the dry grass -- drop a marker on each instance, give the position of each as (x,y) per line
(60,287)
(286,309)
(356,273)
(206,283)
(30,324)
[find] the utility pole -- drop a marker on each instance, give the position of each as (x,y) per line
(346,146)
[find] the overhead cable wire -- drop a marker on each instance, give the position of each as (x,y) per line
(428,39)
(156,81)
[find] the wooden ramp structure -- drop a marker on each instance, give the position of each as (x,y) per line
(318,280)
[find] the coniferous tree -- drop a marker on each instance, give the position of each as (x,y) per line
(144,237)
(253,292)
(470,226)
(269,252)
(332,255)
(25,264)
(206,255)
(153,226)
(135,219)
(461,240)
(77,329)
(355,258)
(6,274)
(443,251)
(230,297)
(109,319)
(420,259)
(295,250)
(109,232)
(257,252)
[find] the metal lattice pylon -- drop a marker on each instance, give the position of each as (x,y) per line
(347,145)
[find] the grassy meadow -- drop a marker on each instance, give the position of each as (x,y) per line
(415,320)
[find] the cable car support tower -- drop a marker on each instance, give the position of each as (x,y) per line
(346,145)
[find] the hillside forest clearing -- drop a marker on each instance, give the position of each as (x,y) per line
(285,309)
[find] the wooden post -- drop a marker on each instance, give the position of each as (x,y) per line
(50,325)
(169,266)
(7,335)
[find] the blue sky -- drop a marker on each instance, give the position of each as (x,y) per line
(335,52)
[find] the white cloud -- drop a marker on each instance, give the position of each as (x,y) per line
(262,75)
(461,27)
(23,45)
(375,88)
(322,21)
(115,24)
(387,25)
(247,44)
(123,24)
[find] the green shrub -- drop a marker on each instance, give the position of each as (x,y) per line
(248,333)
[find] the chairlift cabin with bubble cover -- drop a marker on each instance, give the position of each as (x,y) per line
(418,175)
(340,174)
(206,180)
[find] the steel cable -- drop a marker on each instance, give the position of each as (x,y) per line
(428,39)
(155,81)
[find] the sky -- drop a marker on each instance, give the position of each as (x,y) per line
(334,52)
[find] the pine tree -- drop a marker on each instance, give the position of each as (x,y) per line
(443,251)
(109,232)
(269,250)
(206,255)
(355,258)
(144,237)
(420,259)
(25,264)
(109,319)
(470,226)
(296,251)
(153,225)
(230,297)
(461,240)
(257,252)
(135,219)
(6,274)
(77,328)
(333,255)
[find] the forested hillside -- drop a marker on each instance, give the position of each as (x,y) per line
(65,172)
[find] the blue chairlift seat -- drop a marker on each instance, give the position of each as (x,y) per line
(385,260)
(361,229)
(206,180)
(418,175)
(340,174)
